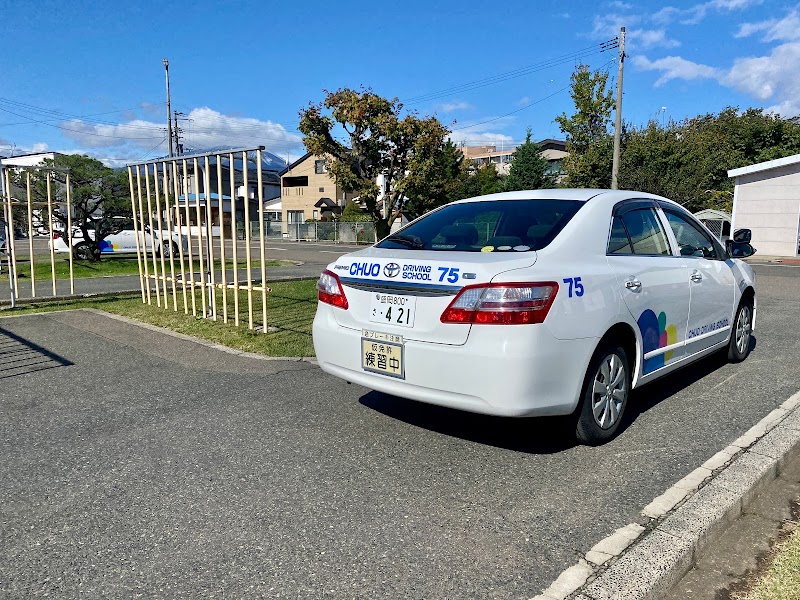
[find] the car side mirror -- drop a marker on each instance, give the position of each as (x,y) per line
(739,249)
(742,235)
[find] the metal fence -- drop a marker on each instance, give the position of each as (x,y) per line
(714,226)
(349,233)
(184,199)
(37,190)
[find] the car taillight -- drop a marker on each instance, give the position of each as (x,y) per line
(502,303)
(56,235)
(329,290)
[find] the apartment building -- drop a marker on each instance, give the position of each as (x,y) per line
(553,150)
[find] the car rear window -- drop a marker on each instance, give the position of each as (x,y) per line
(498,225)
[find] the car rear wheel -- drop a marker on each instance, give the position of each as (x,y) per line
(169,249)
(605,395)
(739,346)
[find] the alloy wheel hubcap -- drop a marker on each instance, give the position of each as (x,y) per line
(609,391)
(743,330)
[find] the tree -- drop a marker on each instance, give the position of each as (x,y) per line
(378,142)
(688,161)
(488,180)
(352,213)
(529,169)
(435,180)
(100,198)
(588,141)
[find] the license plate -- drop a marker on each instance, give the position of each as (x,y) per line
(382,353)
(391,309)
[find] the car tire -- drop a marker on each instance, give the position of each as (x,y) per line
(169,249)
(82,251)
(604,397)
(741,332)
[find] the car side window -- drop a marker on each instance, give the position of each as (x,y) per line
(618,241)
(692,241)
(646,234)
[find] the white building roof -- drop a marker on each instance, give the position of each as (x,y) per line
(765,166)
(711,213)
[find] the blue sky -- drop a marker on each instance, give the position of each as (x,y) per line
(87,76)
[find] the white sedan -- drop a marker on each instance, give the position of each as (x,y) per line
(547,302)
(123,242)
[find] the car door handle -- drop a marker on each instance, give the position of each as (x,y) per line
(633,285)
(696,276)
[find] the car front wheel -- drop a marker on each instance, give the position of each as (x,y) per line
(739,346)
(82,251)
(605,395)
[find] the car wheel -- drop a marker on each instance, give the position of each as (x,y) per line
(605,395)
(169,249)
(82,251)
(739,346)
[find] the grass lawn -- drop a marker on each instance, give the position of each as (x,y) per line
(108,266)
(782,579)
(290,308)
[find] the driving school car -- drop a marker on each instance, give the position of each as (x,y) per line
(547,302)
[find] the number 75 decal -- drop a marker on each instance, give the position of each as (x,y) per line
(575,286)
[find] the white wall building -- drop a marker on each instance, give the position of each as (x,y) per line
(27,160)
(767,201)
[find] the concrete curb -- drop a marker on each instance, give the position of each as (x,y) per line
(642,561)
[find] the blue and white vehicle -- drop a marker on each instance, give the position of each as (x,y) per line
(124,242)
(547,302)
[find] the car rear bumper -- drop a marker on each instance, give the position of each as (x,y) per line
(515,371)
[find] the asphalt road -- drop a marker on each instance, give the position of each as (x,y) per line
(135,463)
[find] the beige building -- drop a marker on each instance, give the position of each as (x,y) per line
(309,192)
(767,201)
(553,150)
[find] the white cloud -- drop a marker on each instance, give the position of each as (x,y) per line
(784,30)
(689,16)
(651,38)
(477,135)
(449,107)
(204,128)
(675,67)
(608,26)
(770,78)
(207,128)
(524,101)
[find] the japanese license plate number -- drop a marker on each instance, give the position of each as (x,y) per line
(383,353)
(392,309)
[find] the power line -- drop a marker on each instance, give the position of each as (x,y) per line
(583,53)
(40,122)
(61,116)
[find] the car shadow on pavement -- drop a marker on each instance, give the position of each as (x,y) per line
(541,435)
(19,356)
(534,435)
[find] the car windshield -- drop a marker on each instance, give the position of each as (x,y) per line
(488,226)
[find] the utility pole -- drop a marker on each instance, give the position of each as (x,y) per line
(169,110)
(618,119)
(6,223)
(177,131)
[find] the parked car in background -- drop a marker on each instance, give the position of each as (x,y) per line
(124,242)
